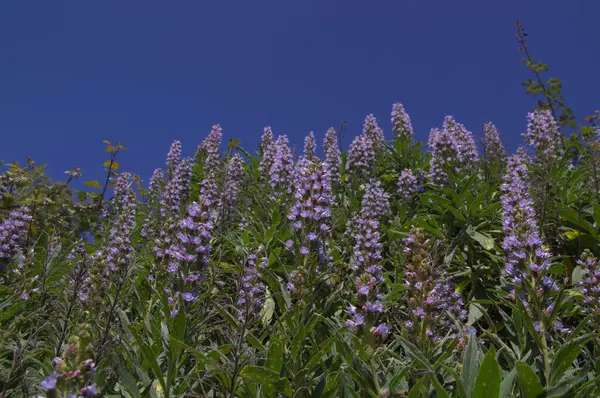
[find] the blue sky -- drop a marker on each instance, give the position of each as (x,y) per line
(74,73)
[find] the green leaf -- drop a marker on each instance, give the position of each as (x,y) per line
(415,392)
(439,389)
(528,381)
(488,378)
(92,184)
(416,354)
(275,356)
(562,388)
(486,241)
(268,310)
(232,144)
(566,355)
(128,382)
(507,384)
(470,366)
(474,314)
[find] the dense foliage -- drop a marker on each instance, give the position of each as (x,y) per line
(386,270)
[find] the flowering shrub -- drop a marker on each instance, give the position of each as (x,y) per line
(386,270)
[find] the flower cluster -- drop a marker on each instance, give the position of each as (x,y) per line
(282,166)
(361,155)
(590,284)
(118,250)
(527,260)
(401,124)
(408,185)
(310,145)
(432,303)
(190,253)
(492,144)
(266,139)
(4,183)
(233,182)
(368,258)
(372,130)
(80,275)
(155,192)
(173,157)
(375,204)
(72,373)
(311,212)
(177,188)
(12,235)
(252,290)
(210,146)
(452,148)
(525,256)
(209,195)
(157,184)
(333,155)
(268,150)
(543,136)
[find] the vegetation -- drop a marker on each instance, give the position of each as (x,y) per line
(386,270)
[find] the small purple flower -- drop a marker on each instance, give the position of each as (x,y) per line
(49,383)
(381,330)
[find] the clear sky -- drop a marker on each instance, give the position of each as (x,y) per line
(74,73)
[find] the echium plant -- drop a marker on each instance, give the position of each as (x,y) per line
(591,155)
(251,295)
(173,158)
(267,153)
(170,205)
(189,255)
(409,185)
(113,262)
(73,372)
(118,250)
(333,155)
(12,235)
(527,260)
(155,193)
(76,296)
(282,167)
(208,187)
(362,152)
(590,285)
(543,136)
(453,149)
(310,146)
(492,144)
(433,306)
(310,218)
(401,124)
(234,176)
(368,260)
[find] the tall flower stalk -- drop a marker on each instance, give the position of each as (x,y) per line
(362,152)
(401,124)
(453,149)
(527,259)
(333,155)
(432,304)
(492,144)
(12,235)
(367,264)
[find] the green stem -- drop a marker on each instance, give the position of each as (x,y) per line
(545,353)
